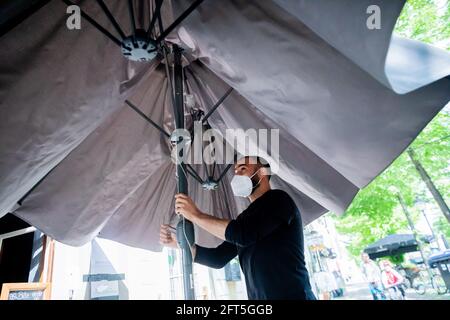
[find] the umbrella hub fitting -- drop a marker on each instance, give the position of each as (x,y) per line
(210,184)
(139,47)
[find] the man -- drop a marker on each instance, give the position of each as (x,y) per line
(267,236)
(373,276)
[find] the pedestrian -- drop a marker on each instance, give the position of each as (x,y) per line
(391,278)
(372,275)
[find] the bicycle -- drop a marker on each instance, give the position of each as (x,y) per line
(414,279)
(438,284)
(394,293)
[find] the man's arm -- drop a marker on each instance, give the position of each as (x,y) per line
(215,257)
(213,225)
(168,239)
(211,257)
(245,230)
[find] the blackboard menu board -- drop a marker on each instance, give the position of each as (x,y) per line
(25,291)
(26,295)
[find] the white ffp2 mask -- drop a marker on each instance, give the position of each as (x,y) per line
(242,186)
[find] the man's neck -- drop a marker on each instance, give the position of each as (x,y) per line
(262,188)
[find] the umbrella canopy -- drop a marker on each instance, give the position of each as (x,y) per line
(392,245)
(347,100)
(442,256)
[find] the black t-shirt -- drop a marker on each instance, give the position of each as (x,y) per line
(268,237)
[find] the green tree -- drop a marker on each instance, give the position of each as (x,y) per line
(443,227)
(375,211)
(397,259)
(427,21)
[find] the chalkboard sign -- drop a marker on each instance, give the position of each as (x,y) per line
(26,295)
(25,291)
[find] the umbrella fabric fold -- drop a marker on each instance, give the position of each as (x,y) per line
(346,100)
(56,87)
(323,99)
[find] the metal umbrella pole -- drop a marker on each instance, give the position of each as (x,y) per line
(185,228)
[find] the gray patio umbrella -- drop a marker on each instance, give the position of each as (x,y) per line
(347,101)
(392,245)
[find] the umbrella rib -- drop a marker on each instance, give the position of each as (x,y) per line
(132,19)
(21,200)
(155,15)
(183,16)
(206,168)
(150,11)
(213,170)
(95,24)
(111,18)
(161,29)
(185,169)
(218,103)
(193,173)
(224,171)
(139,112)
(160,24)
(169,78)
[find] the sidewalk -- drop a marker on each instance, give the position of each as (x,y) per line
(360,291)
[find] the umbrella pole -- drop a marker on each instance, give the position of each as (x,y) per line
(185,228)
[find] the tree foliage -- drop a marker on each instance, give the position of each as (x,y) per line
(442,226)
(426,21)
(375,211)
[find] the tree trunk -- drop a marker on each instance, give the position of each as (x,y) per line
(429,183)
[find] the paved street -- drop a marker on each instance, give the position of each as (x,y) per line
(360,291)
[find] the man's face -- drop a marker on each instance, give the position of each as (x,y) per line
(246,167)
